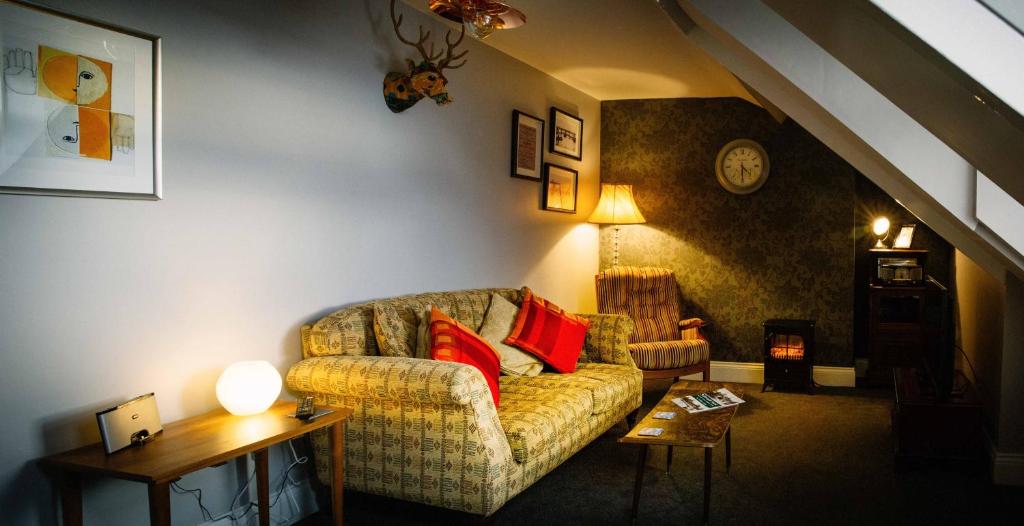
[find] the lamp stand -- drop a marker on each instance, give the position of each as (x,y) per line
(615,257)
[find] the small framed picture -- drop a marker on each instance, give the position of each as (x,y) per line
(560,185)
(905,236)
(527,145)
(566,137)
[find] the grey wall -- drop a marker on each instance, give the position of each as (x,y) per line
(290,190)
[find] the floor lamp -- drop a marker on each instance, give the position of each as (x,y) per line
(616,207)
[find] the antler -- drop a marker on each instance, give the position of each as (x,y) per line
(418,44)
(449,57)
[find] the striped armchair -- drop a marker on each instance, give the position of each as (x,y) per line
(662,345)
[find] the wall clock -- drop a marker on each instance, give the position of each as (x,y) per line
(742,166)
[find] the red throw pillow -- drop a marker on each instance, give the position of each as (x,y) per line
(549,333)
(452,341)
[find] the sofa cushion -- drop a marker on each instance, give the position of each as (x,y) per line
(452,341)
(535,418)
(546,331)
(501,315)
(395,320)
(610,386)
(670,354)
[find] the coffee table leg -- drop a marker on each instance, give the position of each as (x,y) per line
(668,461)
(639,481)
(263,484)
(71,498)
(707,485)
(160,504)
(728,448)
(337,472)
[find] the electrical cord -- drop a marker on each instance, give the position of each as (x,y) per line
(198,494)
(285,479)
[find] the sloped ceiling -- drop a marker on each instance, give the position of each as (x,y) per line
(612,49)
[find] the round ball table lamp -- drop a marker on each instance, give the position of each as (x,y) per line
(248,388)
(881,229)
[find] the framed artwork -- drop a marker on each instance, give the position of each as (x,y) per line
(566,134)
(560,184)
(905,237)
(79,106)
(527,145)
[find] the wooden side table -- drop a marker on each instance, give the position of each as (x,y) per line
(193,444)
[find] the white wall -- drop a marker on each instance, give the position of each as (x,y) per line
(290,190)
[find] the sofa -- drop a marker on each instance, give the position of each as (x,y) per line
(428,431)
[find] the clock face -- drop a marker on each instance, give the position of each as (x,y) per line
(742,166)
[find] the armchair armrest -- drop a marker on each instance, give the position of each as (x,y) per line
(608,338)
(389,378)
(693,323)
(691,328)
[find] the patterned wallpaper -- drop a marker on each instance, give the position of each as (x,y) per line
(785,251)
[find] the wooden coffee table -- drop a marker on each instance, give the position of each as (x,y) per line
(704,430)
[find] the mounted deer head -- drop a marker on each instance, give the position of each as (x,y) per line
(403,90)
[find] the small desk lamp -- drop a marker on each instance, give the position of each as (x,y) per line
(881,229)
(616,207)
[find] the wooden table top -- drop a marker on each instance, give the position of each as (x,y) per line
(695,430)
(194,443)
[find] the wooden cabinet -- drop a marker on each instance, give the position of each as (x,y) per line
(896,330)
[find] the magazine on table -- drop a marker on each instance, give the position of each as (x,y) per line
(708,401)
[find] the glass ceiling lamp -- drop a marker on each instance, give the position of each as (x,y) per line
(480,17)
(616,207)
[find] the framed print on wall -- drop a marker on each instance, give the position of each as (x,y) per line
(79,106)
(560,185)
(527,145)
(566,136)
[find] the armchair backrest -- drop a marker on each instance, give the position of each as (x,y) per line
(648,295)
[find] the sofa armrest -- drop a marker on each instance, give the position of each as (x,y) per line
(389,378)
(424,430)
(608,337)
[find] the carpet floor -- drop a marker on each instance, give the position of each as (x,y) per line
(797,459)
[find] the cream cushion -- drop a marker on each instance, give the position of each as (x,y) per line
(498,321)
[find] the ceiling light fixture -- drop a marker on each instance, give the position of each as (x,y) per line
(480,17)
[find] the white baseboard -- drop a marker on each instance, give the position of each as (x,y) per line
(753,373)
(1007,468)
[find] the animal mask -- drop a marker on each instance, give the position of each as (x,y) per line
(425,80)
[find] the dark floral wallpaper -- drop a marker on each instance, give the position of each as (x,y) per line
(785,251)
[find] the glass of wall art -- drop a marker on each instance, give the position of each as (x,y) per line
(79,106)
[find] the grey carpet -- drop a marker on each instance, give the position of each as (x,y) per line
(797,459)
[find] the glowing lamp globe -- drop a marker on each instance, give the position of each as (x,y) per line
(881,226)
(248,388)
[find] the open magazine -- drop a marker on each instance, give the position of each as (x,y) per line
(708,401)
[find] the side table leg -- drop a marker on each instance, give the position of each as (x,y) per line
(668,461)
(728,448)
(707,485)
(639,482)
(160,504)
(71,498)
(263,484)
(338,472)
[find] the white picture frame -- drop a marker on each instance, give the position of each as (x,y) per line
(79,106)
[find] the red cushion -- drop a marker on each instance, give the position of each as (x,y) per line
(549,333)
(452,341)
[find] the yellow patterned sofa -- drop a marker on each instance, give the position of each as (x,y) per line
(427,431)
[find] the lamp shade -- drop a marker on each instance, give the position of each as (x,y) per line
(248,388)
(616,206)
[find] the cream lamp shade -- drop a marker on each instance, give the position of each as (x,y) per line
(248,388)
(616,206)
